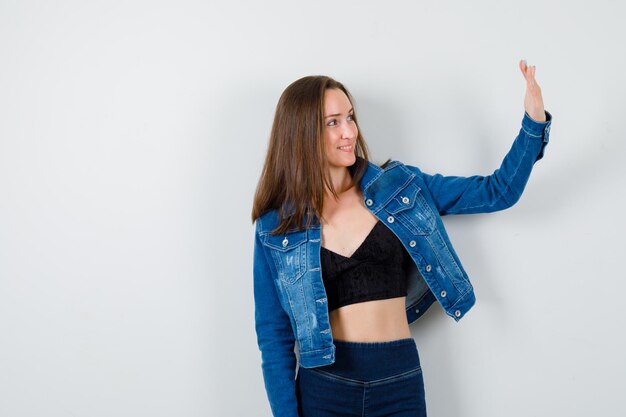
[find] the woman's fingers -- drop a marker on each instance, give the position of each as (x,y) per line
(528,72)
(525,69)
(533,101)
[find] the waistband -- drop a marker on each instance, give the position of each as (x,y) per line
(369,361)
(344,344)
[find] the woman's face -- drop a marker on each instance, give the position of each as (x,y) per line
(340,130)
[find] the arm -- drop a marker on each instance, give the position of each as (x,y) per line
(275,338)
(500,190)
(503,188)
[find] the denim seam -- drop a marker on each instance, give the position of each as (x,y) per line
(278,262)
(460,299)
(293,313)
(395,377)
(378,174)
(337,377)
(411,175)
(443,264)
(530,134)
(363,401)
(358,382)
(413,226)
(307,352)
(302,297)
(508,185)
(385,203)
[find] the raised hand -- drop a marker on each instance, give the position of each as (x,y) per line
(533,101)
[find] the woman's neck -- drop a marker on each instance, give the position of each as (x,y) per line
(341,179)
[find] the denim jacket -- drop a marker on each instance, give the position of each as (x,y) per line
(290,299)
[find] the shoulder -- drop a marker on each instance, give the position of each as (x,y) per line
(387,174)
(391,164)
(267,222)
(386,181)
(271,219)
(400,170)
(395,163)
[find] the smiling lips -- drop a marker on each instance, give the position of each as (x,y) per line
(347,148)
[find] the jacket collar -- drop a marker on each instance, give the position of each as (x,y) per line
(371,173)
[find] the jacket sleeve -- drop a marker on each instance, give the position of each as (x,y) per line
(500,190)
(275,338)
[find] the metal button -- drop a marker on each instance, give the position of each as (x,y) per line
(417,310)
(369,202)
(405,200)
(285,242)
(412,243)
(457,313)
(428,268)
(390,219)
(443,293)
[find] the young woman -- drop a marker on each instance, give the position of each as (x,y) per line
(348,253)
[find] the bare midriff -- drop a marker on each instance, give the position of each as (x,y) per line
(371,321)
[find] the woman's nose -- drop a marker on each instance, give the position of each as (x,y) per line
(349,130)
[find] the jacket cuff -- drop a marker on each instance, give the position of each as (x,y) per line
(539,130)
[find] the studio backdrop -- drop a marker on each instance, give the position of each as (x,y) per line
(132,137)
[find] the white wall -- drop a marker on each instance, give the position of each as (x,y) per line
(132,134)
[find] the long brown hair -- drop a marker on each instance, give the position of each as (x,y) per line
(296,169)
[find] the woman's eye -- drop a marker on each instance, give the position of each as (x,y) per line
(333,122)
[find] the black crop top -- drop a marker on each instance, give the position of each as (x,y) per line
(375,271)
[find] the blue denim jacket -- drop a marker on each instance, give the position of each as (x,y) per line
(290,299)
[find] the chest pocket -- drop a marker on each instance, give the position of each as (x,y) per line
(410,207)
(289,254)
